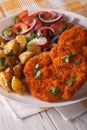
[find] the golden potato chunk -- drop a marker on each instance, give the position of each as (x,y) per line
(22,40)
(18,70)
(1,39)
(23,57)
(11,47)
(5,79)
(11,61)
(2,54)
(18,86)
(34,49)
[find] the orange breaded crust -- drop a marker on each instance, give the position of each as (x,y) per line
(75,34)
(56,73)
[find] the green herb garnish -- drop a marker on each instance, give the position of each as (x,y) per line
(77,61)
(67,57)
(63,20)
(54,91)
(31,36)
(67,26)
(37,75)
(64,81)
(3,62)
(70,82)
(8,84)
(10,52)
(7,32)
(37,66)
(37,71)
(17,19)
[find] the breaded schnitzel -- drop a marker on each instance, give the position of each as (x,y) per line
(60,73)
(76,36)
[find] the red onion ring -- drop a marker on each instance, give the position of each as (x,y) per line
(54,14)
(44,28)
(8,38)
(59,16)
(74,21)
(29,29)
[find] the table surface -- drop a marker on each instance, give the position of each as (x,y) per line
(47,120)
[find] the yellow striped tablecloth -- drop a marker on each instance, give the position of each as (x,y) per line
(9,7)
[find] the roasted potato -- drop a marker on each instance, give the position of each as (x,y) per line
(11,48)
(34,49)
(11,61)
(2,54)
(22,40)
(1,40)
(5,79)
(13,55)
(18,86)
(17,70)
(2,44)
(23,57)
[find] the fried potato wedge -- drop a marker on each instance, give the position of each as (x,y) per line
(18,86)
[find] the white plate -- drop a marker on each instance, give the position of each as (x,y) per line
(27,98)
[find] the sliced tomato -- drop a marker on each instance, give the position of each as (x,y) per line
(46,15)
(35,15)
(23,14)
(59,27)
(19,26)
(39,24)
(28,20)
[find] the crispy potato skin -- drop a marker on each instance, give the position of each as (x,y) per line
(54,70)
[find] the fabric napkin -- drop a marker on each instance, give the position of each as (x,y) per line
(9,7)
(21,110)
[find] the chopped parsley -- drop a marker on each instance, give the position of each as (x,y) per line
(3,62)
(10,52)
(31,36)
(8,84)
(67,57)
(7,32)
(63,82)
(77,61)
(70,82)
(17,19)
(37,66)
(37,71)
(54,91)
(63,20)
(37,75)
(67,26)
